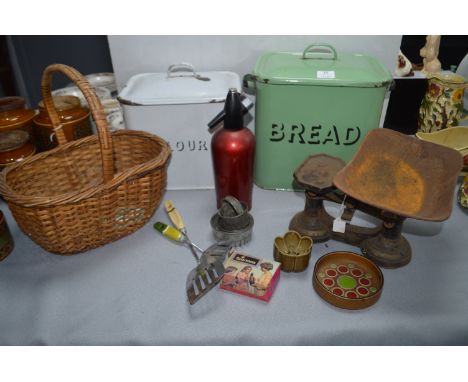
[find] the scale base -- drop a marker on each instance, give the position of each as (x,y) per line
(388,253)
(316,227)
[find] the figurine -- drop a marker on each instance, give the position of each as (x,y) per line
(404,66)
(429,53)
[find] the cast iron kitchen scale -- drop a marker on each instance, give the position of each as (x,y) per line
(392,177)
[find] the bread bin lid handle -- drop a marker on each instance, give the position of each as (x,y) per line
(318,48)
(177,70)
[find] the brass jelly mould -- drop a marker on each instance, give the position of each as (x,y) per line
(293,251)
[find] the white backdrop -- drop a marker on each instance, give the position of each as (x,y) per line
(139,54)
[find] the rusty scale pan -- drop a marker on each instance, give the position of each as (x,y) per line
(403,175)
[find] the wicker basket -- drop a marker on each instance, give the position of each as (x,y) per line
(89,192)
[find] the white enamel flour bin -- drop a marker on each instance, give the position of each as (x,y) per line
(177,106)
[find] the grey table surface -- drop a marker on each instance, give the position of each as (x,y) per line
(132,292)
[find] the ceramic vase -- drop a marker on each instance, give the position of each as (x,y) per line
(463,194)
(442,105)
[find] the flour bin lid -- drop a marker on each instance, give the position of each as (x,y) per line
(321,65)
(179,85)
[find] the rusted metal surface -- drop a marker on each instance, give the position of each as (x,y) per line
(383,243)
(317,171)
(389,249)
(403,175)
(392,176)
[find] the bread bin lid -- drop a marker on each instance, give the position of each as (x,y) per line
(179,85)
(321,65)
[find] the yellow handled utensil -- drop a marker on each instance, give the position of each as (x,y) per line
(209,270)
(176,219)
(175,216)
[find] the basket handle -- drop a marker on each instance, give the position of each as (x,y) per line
(105,140)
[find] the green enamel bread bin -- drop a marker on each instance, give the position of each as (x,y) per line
(317,101)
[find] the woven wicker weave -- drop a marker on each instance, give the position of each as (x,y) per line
(89,192)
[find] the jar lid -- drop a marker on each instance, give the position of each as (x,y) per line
(11,103)
(102,93)
(16,118)
(181,84)
(11,140)
(105,80)
(63,103)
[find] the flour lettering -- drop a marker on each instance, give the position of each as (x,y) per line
(191,145)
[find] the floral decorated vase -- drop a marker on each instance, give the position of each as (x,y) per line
(442,105)
(463,194)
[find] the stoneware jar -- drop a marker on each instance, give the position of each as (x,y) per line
(15,146)
(16,140)
(74,118)
(12,103)
(442,106)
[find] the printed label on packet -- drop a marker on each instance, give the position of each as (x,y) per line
(325,74)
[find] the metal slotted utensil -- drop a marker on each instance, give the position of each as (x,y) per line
(209,270)
(206,275)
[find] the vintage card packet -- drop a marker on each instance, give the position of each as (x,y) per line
(250,275)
